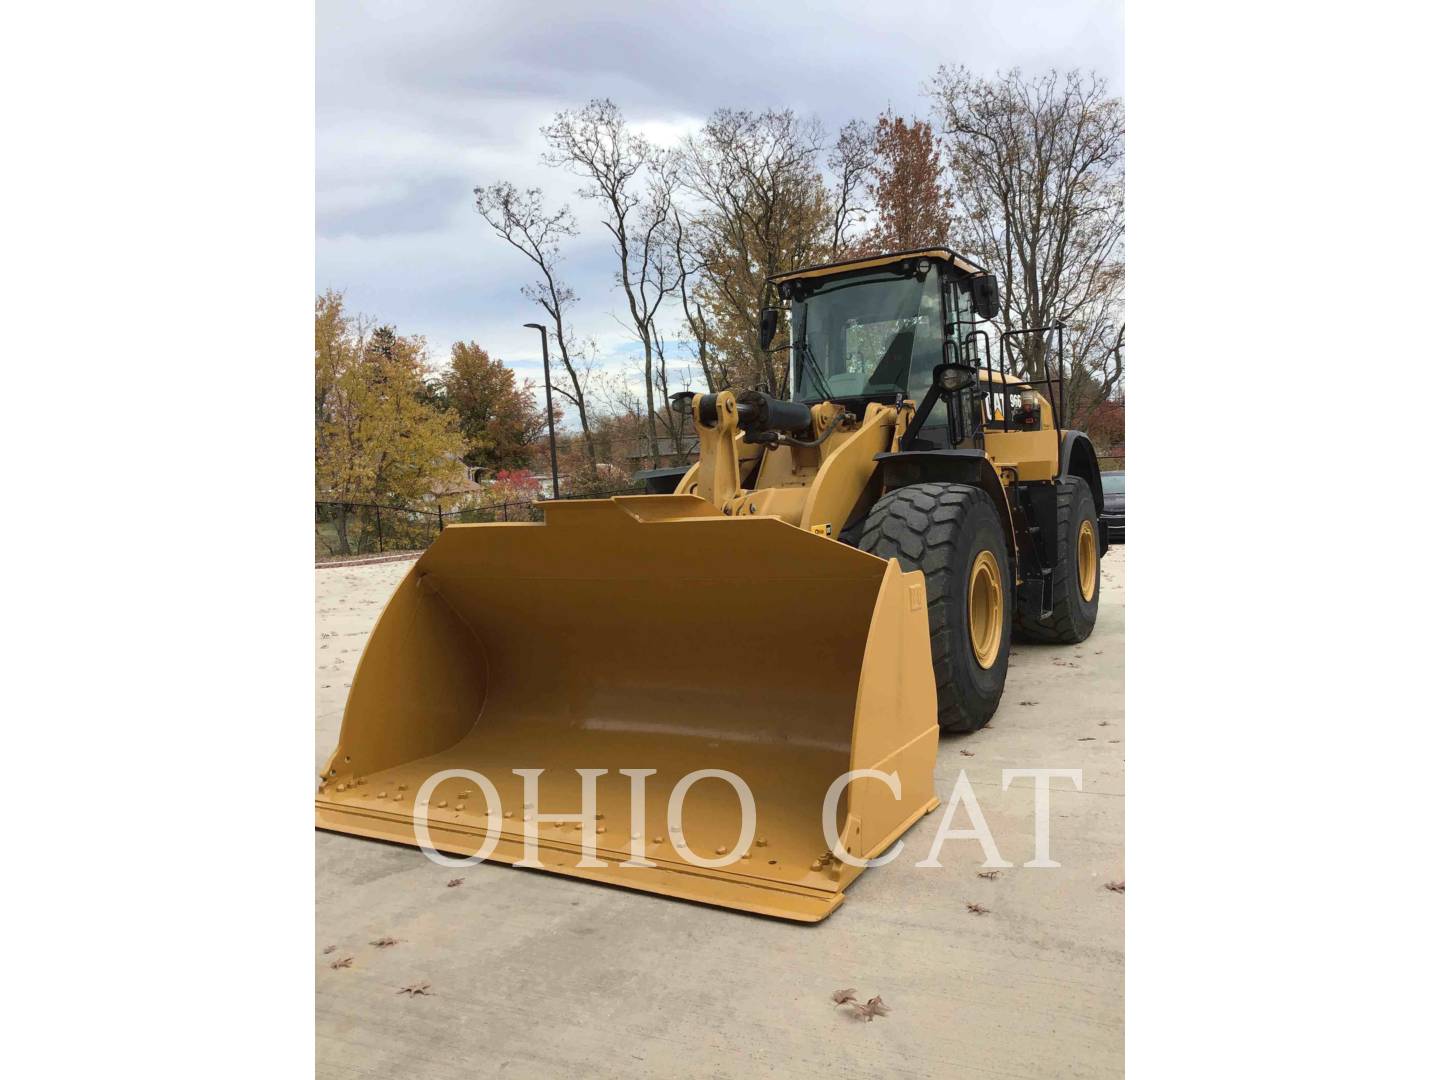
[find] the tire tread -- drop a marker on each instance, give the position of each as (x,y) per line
(920,525)
(1066,624)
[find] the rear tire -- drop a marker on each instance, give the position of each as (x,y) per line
(952,532)
(1077,570)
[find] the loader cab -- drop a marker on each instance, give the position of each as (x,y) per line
(873,330)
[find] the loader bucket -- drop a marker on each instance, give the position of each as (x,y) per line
(645,633)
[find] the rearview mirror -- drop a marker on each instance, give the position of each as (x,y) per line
(769,321)
(986,293)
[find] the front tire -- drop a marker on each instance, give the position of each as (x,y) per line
(953,534)
(1077,570)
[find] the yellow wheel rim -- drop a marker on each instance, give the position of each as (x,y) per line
(1087,560)
(987,608)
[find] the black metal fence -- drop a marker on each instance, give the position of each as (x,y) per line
(345,530)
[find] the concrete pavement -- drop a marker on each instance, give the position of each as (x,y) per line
(533,975)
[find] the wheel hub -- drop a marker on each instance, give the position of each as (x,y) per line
(987,608)
(1087,561)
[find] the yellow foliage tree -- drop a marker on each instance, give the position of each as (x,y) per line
(379,439)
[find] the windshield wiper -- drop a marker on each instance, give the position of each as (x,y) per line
(820,383)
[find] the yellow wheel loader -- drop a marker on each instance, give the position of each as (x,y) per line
(731,690)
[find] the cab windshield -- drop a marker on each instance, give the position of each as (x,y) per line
(868,334)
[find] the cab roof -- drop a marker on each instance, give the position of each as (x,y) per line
(940,254)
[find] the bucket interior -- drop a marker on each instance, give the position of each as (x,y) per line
(602,641)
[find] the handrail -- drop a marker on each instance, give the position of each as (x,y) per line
(1055,386)
(990,380)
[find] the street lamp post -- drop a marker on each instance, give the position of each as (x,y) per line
(549,408)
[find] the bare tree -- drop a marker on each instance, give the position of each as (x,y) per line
(1040,176)
(1100,377)
(672,420)
(851,162)
(635,184)
(689,269)
(765,209)
(521,220)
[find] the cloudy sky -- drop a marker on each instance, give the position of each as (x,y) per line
(418,103)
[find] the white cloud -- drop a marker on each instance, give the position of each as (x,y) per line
(668,131)
(418,104)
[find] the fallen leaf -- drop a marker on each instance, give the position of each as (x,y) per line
(976,909)
(1104,723)
(1115,886)
(453,882)
(988,875)
(384,942)
(877,1007)
(1086,738)
(342,962)
(968,753)
(843,997)
(861,1011)
(1029,703)
(328,950)
(415,989)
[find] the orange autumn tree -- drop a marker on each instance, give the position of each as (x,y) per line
(498,414)
(912,202)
